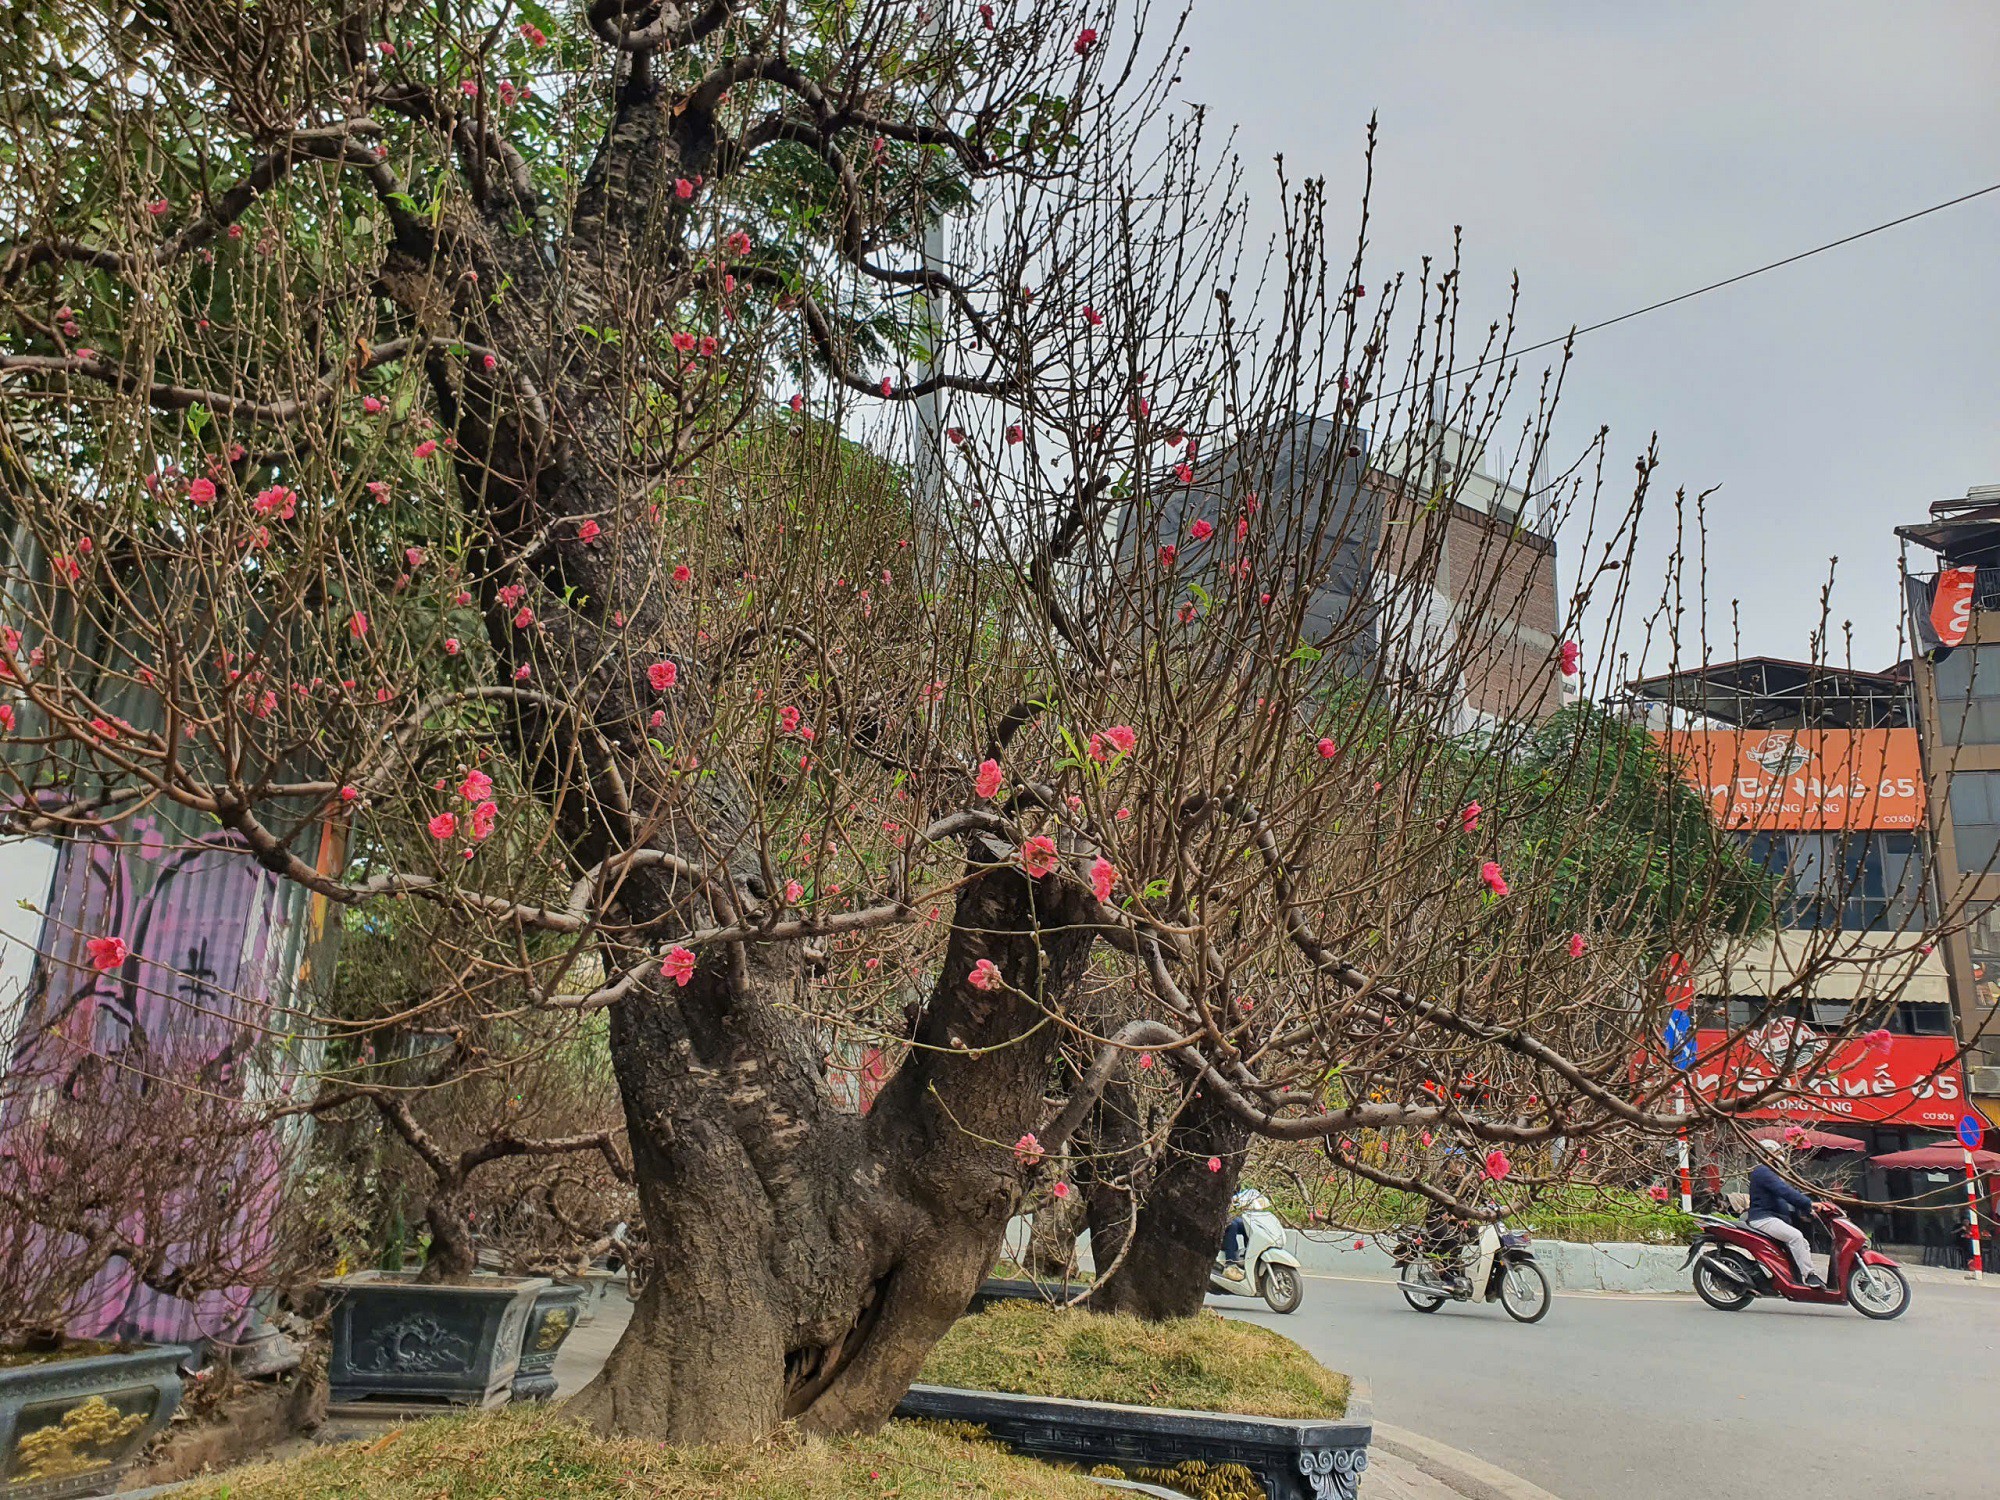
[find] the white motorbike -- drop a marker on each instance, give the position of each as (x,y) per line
(1498,1267)
(1269,1270)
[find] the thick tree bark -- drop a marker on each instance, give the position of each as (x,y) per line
(452,1256)
(806,1258)
(1182,1212)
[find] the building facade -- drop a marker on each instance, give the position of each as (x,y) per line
(1817,772)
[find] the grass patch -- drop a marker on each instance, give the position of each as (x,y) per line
(535,1455)
(1204,1363)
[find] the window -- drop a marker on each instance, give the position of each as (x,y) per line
(1858,882)
(1922,1019)
(1968,694)
(1975,819)
(1984,935)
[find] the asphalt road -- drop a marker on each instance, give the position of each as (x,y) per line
(1659,1398)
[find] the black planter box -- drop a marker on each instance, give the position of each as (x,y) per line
(556,1311)
(994,1290)
(1294,1459)
(73,1426)
(397,1337)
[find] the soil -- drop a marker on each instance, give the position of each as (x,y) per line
(16,1359)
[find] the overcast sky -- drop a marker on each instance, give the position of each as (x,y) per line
(1618,153)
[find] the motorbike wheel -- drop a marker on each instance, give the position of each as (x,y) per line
(1718,1291)
(1524,1292)
(1423,1302)
(1880,1292)
(1284,1289)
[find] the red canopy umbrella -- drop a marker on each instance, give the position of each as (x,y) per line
(1805,1139)
(1938,1159)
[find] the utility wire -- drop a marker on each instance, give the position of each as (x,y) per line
(1714,286)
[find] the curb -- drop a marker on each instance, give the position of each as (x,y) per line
(1472,1477)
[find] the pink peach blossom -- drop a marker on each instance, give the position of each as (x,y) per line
(679,965)
(1038,856)
(106,952)
(987,783)
(1103,876)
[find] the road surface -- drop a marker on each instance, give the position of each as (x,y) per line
(1659,1398)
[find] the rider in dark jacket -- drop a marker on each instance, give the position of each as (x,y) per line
(1773,1204)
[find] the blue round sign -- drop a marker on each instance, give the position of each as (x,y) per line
(1971,1130)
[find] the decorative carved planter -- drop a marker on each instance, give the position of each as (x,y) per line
(73,1426)
(1292,1459)
(556,1311)
(395,1336)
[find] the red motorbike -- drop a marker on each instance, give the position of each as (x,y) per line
(1734,1265)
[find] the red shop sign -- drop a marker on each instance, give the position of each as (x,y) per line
(1917,1081)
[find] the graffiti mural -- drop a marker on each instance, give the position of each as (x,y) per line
(199,1006)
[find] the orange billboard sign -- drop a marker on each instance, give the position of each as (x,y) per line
(1804,779)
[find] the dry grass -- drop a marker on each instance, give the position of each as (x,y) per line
(1205,1363)
(535,1455)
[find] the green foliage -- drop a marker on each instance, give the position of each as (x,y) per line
(1615,818)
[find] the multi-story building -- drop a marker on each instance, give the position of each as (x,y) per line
(1428,568)
(1816,771)
(1473,577)
(1951,585)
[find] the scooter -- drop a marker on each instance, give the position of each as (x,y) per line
(1502,1269)
(1734,1265)
(1270,1270)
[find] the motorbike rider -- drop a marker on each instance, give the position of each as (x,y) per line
(1446,1230)
(1773,1203)
(1236,1234)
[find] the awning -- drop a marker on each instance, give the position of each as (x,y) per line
(1804,1138)
(1851,966)
(1937,1159)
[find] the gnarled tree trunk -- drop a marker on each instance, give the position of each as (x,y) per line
(1183,1208)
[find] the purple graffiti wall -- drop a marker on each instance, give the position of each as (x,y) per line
(199,1005)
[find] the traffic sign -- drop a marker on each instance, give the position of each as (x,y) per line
(1679,1036)
(1971,1131)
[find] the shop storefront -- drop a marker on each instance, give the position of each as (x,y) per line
(1848,1103)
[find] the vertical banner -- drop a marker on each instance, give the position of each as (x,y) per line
(1951,605)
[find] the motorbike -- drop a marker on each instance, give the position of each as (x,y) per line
(1498,1267)
(1734,1265)
(1270,1270)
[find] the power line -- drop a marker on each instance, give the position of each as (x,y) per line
(1713,286)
